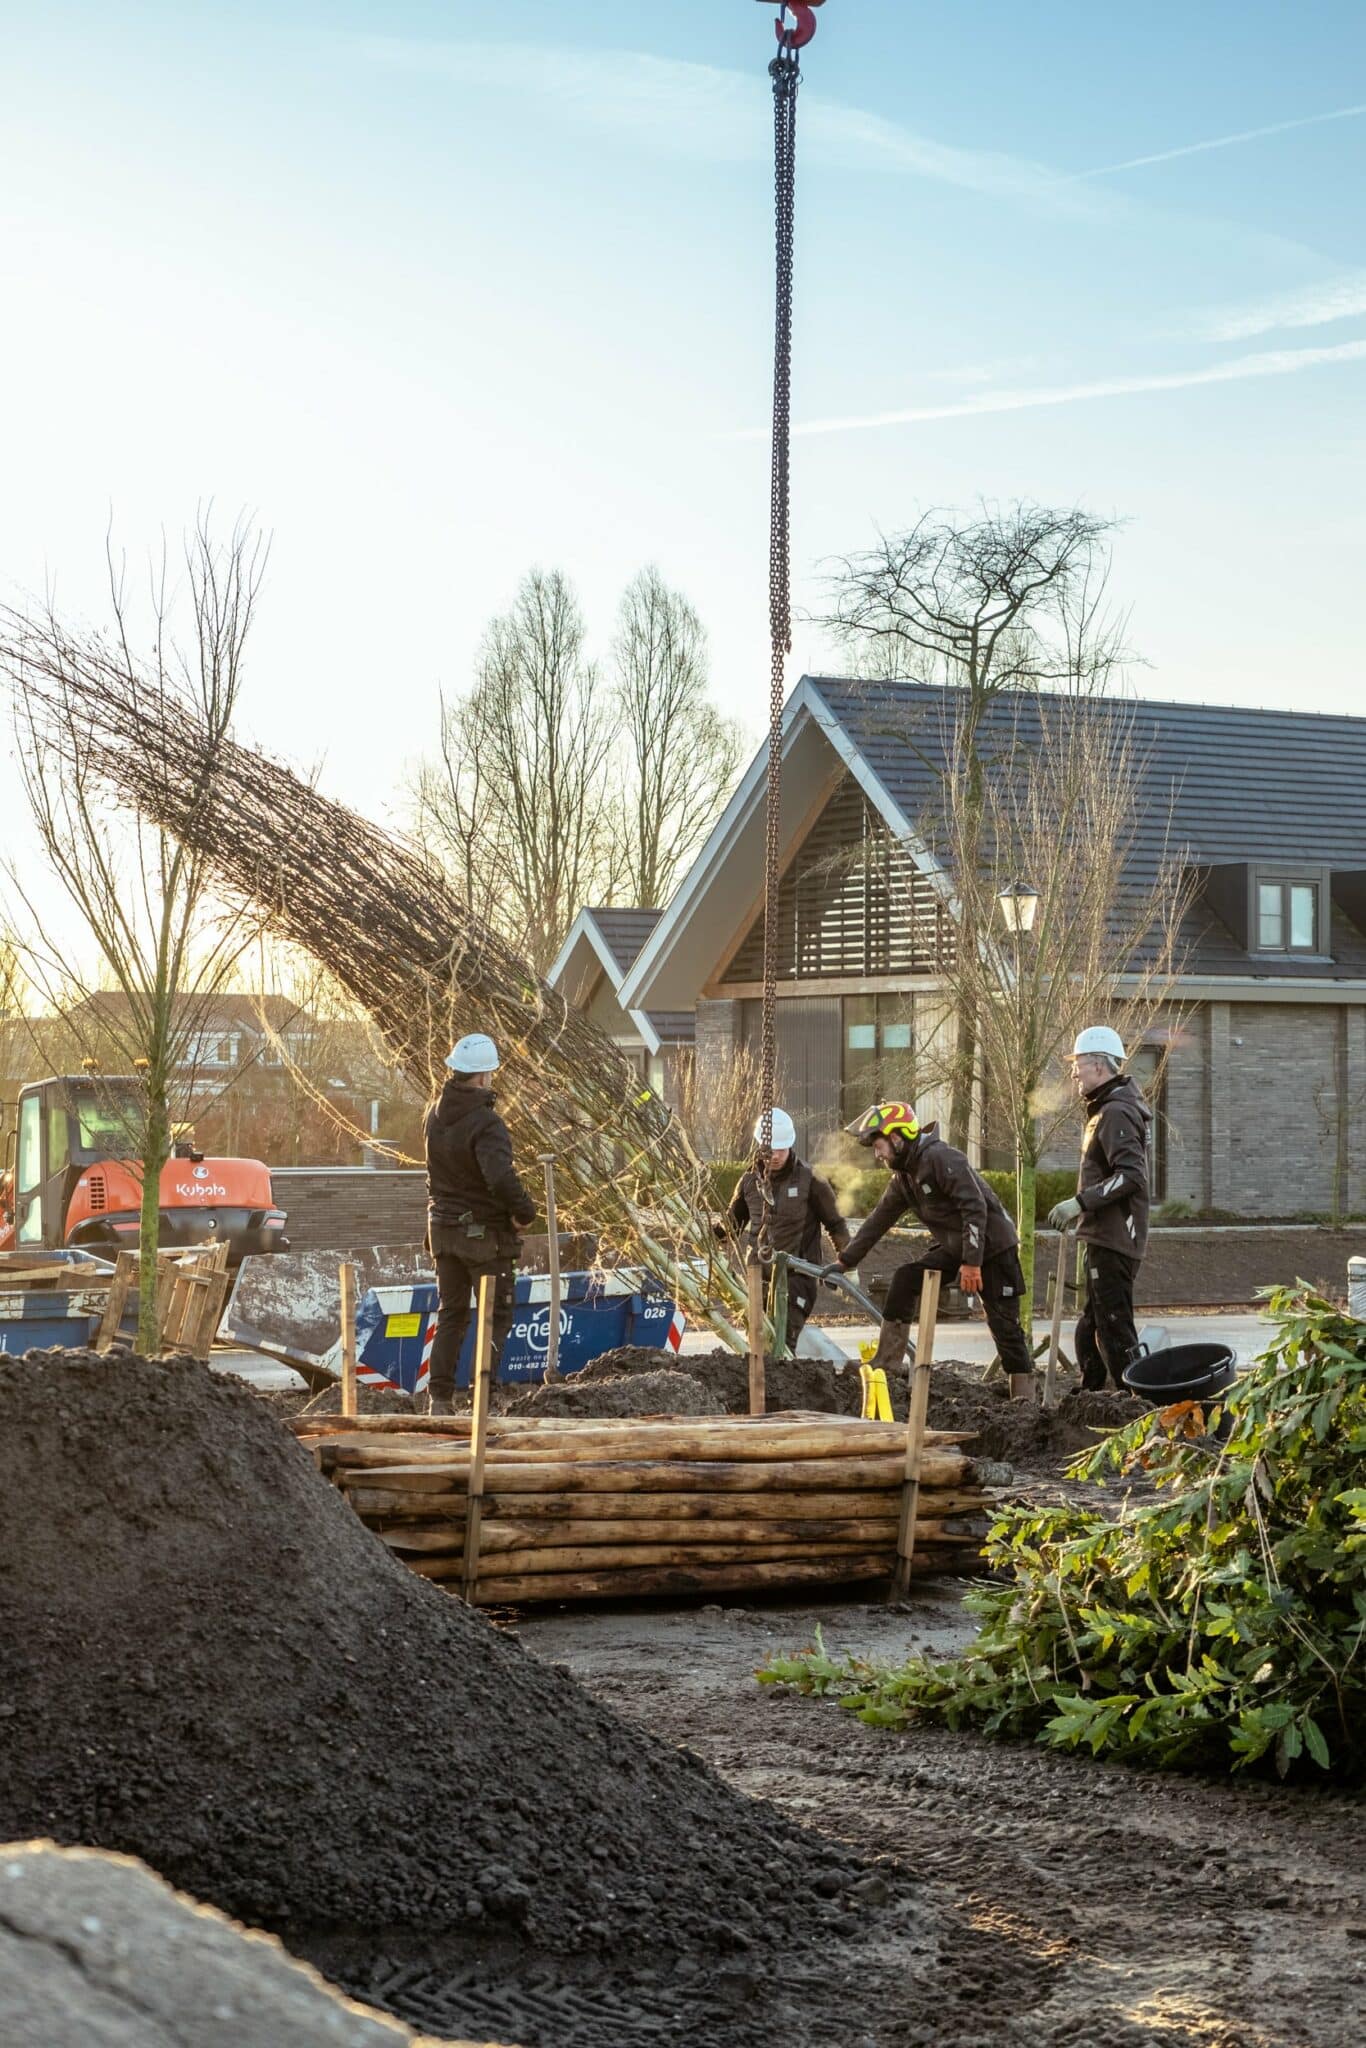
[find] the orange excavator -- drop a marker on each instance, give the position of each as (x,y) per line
(72,1178)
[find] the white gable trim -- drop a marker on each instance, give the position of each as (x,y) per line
(585,926)
(805,706)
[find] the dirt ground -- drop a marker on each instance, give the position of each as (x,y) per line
(1060,1901)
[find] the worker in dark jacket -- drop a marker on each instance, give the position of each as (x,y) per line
(802,1205)
(477,1208)
(973,1236)
(1110,1207)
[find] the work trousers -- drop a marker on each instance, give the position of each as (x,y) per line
(1106,1338)
(801,1299)
(457,1285)
(1002,1289)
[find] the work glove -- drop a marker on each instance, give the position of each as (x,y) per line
(970,1279)
(833,1273)
(1063,1213)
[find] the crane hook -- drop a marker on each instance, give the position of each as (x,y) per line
(796,38)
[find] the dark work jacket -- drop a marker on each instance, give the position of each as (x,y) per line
(802,1202)
(470,1173)
(934,1181)
(1112,1182)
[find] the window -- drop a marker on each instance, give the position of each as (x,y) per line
(29,1174)
(878,1044)
(1288,915)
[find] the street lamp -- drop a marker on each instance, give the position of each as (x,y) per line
(1018,904)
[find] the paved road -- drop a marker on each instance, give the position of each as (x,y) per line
(971,1341)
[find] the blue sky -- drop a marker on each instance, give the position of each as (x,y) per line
(445,291)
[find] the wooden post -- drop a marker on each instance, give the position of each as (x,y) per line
(479,1430)
(754,1282)
(346,1276)
(552,1349)
(778,1305)
(925,1322)
(1050,1377)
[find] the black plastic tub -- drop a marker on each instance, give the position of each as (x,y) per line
(1181,1372)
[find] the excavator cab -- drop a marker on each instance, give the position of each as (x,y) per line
(73,1177)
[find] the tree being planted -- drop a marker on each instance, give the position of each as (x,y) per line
(400,939)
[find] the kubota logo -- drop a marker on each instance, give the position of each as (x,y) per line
(200,1191)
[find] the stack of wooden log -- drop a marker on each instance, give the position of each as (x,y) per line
(580,1509)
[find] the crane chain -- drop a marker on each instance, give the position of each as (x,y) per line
(785,71)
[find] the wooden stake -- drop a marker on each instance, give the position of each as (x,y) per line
(552,1349)
(779,1307)
(915,1432)
(1050,1377)
(754,1281)
(346,1276)
(479,1405)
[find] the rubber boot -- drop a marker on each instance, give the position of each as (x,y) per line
(1022,1386)
(892,1340)
(439,1404)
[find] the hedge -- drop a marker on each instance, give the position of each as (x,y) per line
(859,1189)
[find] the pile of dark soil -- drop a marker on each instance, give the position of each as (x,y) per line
(1013,1432)
(633,1393)
(807,1383)
(1019,1432)
(289,1401)
(206,1661)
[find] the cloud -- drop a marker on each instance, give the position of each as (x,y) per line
(703,111)
(1270,363)
(1166,156)
(1309,306)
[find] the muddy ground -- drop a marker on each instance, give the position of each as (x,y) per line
(1060,1901)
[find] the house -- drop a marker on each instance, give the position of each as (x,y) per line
(601,948)
(1262,1104)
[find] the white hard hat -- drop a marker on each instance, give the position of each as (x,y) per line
(784,1131)
(1099,1038)
(475,1054)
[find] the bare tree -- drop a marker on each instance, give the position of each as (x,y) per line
(517,813)
(1057,812)
(1013,599)
(167,946)
(718,1101)
(682,755)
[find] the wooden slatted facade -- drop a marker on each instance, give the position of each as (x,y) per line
(852,903)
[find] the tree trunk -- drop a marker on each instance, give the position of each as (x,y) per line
(156,1149)
(1026,1174)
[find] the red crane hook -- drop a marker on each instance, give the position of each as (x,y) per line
(796,38)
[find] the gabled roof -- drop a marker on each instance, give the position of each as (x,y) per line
(1223,783)
(624,931)
(606,940)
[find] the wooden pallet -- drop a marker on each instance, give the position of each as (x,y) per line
(192,1285)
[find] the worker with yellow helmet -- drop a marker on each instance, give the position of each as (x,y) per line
(974,1237)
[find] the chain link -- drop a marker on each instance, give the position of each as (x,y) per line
(785,71)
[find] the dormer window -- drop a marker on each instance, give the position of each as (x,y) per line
(1289,913)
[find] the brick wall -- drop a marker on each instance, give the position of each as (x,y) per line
(350,1207)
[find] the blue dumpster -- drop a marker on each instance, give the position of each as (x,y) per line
(52,1309)
(598,1312)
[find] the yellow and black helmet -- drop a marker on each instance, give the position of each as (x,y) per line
(886,1120)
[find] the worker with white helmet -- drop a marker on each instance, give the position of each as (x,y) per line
(800,1205)
(477,1208)
(1110,1207)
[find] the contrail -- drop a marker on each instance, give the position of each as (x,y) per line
(1165,156)
(1281,362)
